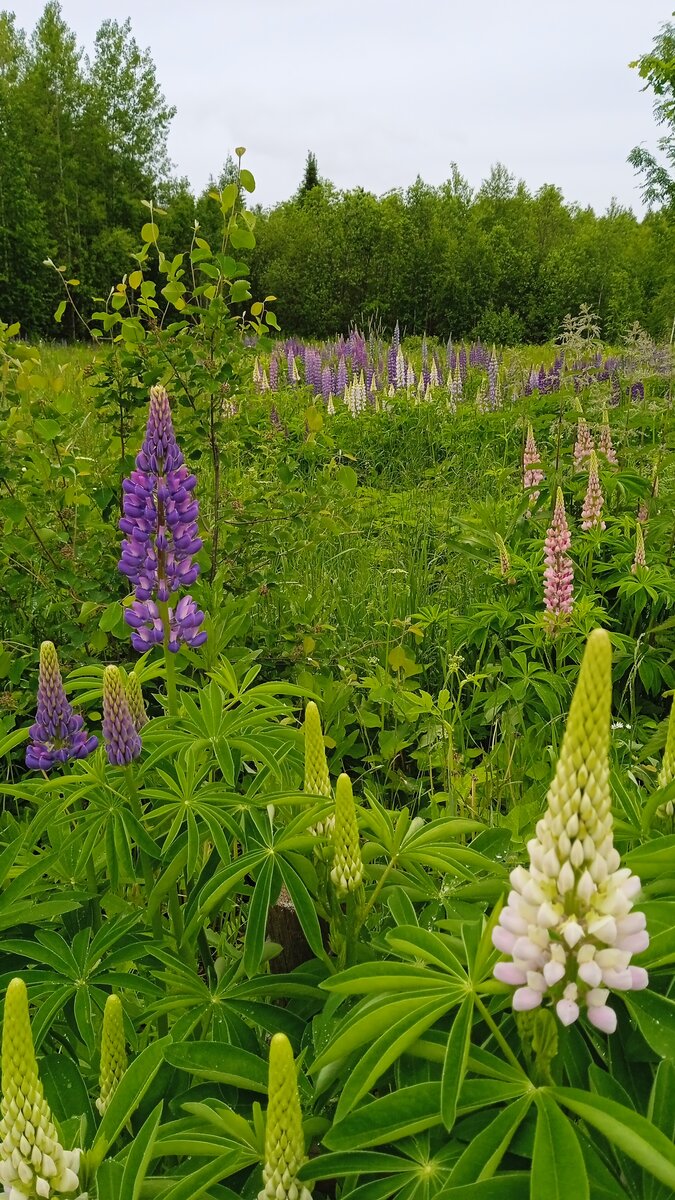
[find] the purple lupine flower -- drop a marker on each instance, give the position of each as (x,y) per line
(396,339)
(463,363)
(341,380)
(591,513)
(58,734)
(274,373)
(493,378)
(615,391)
(637,392)
(160,523)
(326,383)
(185,622)
(122,739)
(559,571)
(391,366)
(449,354)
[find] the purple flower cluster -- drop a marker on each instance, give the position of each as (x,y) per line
(160,523)
(122,739)
(58,734)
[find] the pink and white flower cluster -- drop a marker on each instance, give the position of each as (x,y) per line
(591,513)
(568,926)
(532,473)
(558,571)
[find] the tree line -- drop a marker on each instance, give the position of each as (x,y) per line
(83,142)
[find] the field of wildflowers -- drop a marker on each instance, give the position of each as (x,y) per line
(337,852)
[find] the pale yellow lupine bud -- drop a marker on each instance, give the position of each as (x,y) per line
(135,702)
(667,772)
(284,1139)
(33,1164)
(317,778)
(113,1051)
(347,869)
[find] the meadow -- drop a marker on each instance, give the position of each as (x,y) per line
(337,851)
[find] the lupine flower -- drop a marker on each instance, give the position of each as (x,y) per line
(639,560)
(32,1161)
(284,1138)
(583,444)
(317,778)
(532,473)
(504,560)
(605,443)
(568,926)
(274,373)
(135,701)
(558,571)
(113,1052)
(122,740)
(667,772)
(591,513)
(493,380)
(160,523)
(347,870)
(643,512)
(637,392)
(58,734)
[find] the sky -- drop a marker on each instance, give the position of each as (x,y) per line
(385,90)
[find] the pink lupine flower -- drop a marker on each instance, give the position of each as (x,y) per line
(643,512)
(591,513)
(532,473)
(639,560)
(559,571)
(584,443)
(605,444)
(568,927)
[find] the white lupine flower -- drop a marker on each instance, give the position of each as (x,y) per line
(568,926)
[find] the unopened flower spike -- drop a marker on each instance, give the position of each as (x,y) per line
(33,1163)
(113,1051)
(639,559)
(667,772)
(504,560)
(317,778)
(58,734)
(347,870)
(135,701)
(284,1138)
(568,927)
(122,740)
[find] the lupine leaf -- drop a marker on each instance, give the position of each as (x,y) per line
(635,1136)
(558,1169)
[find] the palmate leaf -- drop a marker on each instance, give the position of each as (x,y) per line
(456,1059)
(221,1063)
(126,1098)
(139,1156)
(632,1133)
(485,1152)
(558,1169)
(513,1186)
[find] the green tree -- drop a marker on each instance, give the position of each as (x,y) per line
(658,70)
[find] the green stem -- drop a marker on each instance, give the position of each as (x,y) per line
(92,884)
(149,878)
(376,890)
(170,662)
(496,1033)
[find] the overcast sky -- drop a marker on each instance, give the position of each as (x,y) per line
(384,90)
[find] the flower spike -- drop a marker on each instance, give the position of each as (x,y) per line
(317,778)
(122,740)
(568,926)
(58,734)
(284,1139)
(347,870)
(113,1051)
(33,1164)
